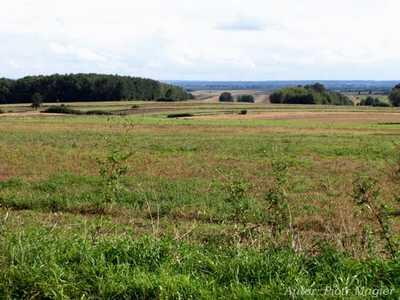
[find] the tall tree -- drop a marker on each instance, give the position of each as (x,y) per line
(37,100)
(394,96)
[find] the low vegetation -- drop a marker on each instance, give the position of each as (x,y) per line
(309,94)
(179,115)
(63,109)
(50,264)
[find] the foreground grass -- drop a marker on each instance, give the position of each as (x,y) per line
(49,264)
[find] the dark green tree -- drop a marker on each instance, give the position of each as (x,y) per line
(37,100)
(318,87)
(5,85)
(394,96)
(226,97)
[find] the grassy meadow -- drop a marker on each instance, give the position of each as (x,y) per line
(274,204)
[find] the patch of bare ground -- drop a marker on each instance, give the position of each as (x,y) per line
(28,114)
(5,174)
(3,177)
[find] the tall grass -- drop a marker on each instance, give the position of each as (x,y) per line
(48,264)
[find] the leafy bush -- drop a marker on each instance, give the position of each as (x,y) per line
(243,112)
(179,115)
(246,98)
(309,94)
(375,102)
(1,111)
(112,169)
(226,97)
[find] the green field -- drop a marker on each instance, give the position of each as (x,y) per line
(220,205)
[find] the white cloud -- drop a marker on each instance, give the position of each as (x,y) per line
(241,23)
(77,52)
(188,39)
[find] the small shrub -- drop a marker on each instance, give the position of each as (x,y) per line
(366,193)
(239,199)
(179,115)
(2,111)
(237,194)
(112,169)
(277,199)
(243,112)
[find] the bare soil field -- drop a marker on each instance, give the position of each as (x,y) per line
(383,117)
(213,96)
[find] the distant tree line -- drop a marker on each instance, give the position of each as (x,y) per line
(228,97)
(87,87)
(309,94)
(375,102)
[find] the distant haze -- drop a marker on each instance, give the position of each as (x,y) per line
(338,85)
(202,40)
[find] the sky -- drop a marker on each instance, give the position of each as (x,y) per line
(203,40)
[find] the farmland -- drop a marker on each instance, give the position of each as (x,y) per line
(139,205)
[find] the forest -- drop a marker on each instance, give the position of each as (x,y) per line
(87,87)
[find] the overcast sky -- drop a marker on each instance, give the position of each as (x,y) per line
(202,40)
